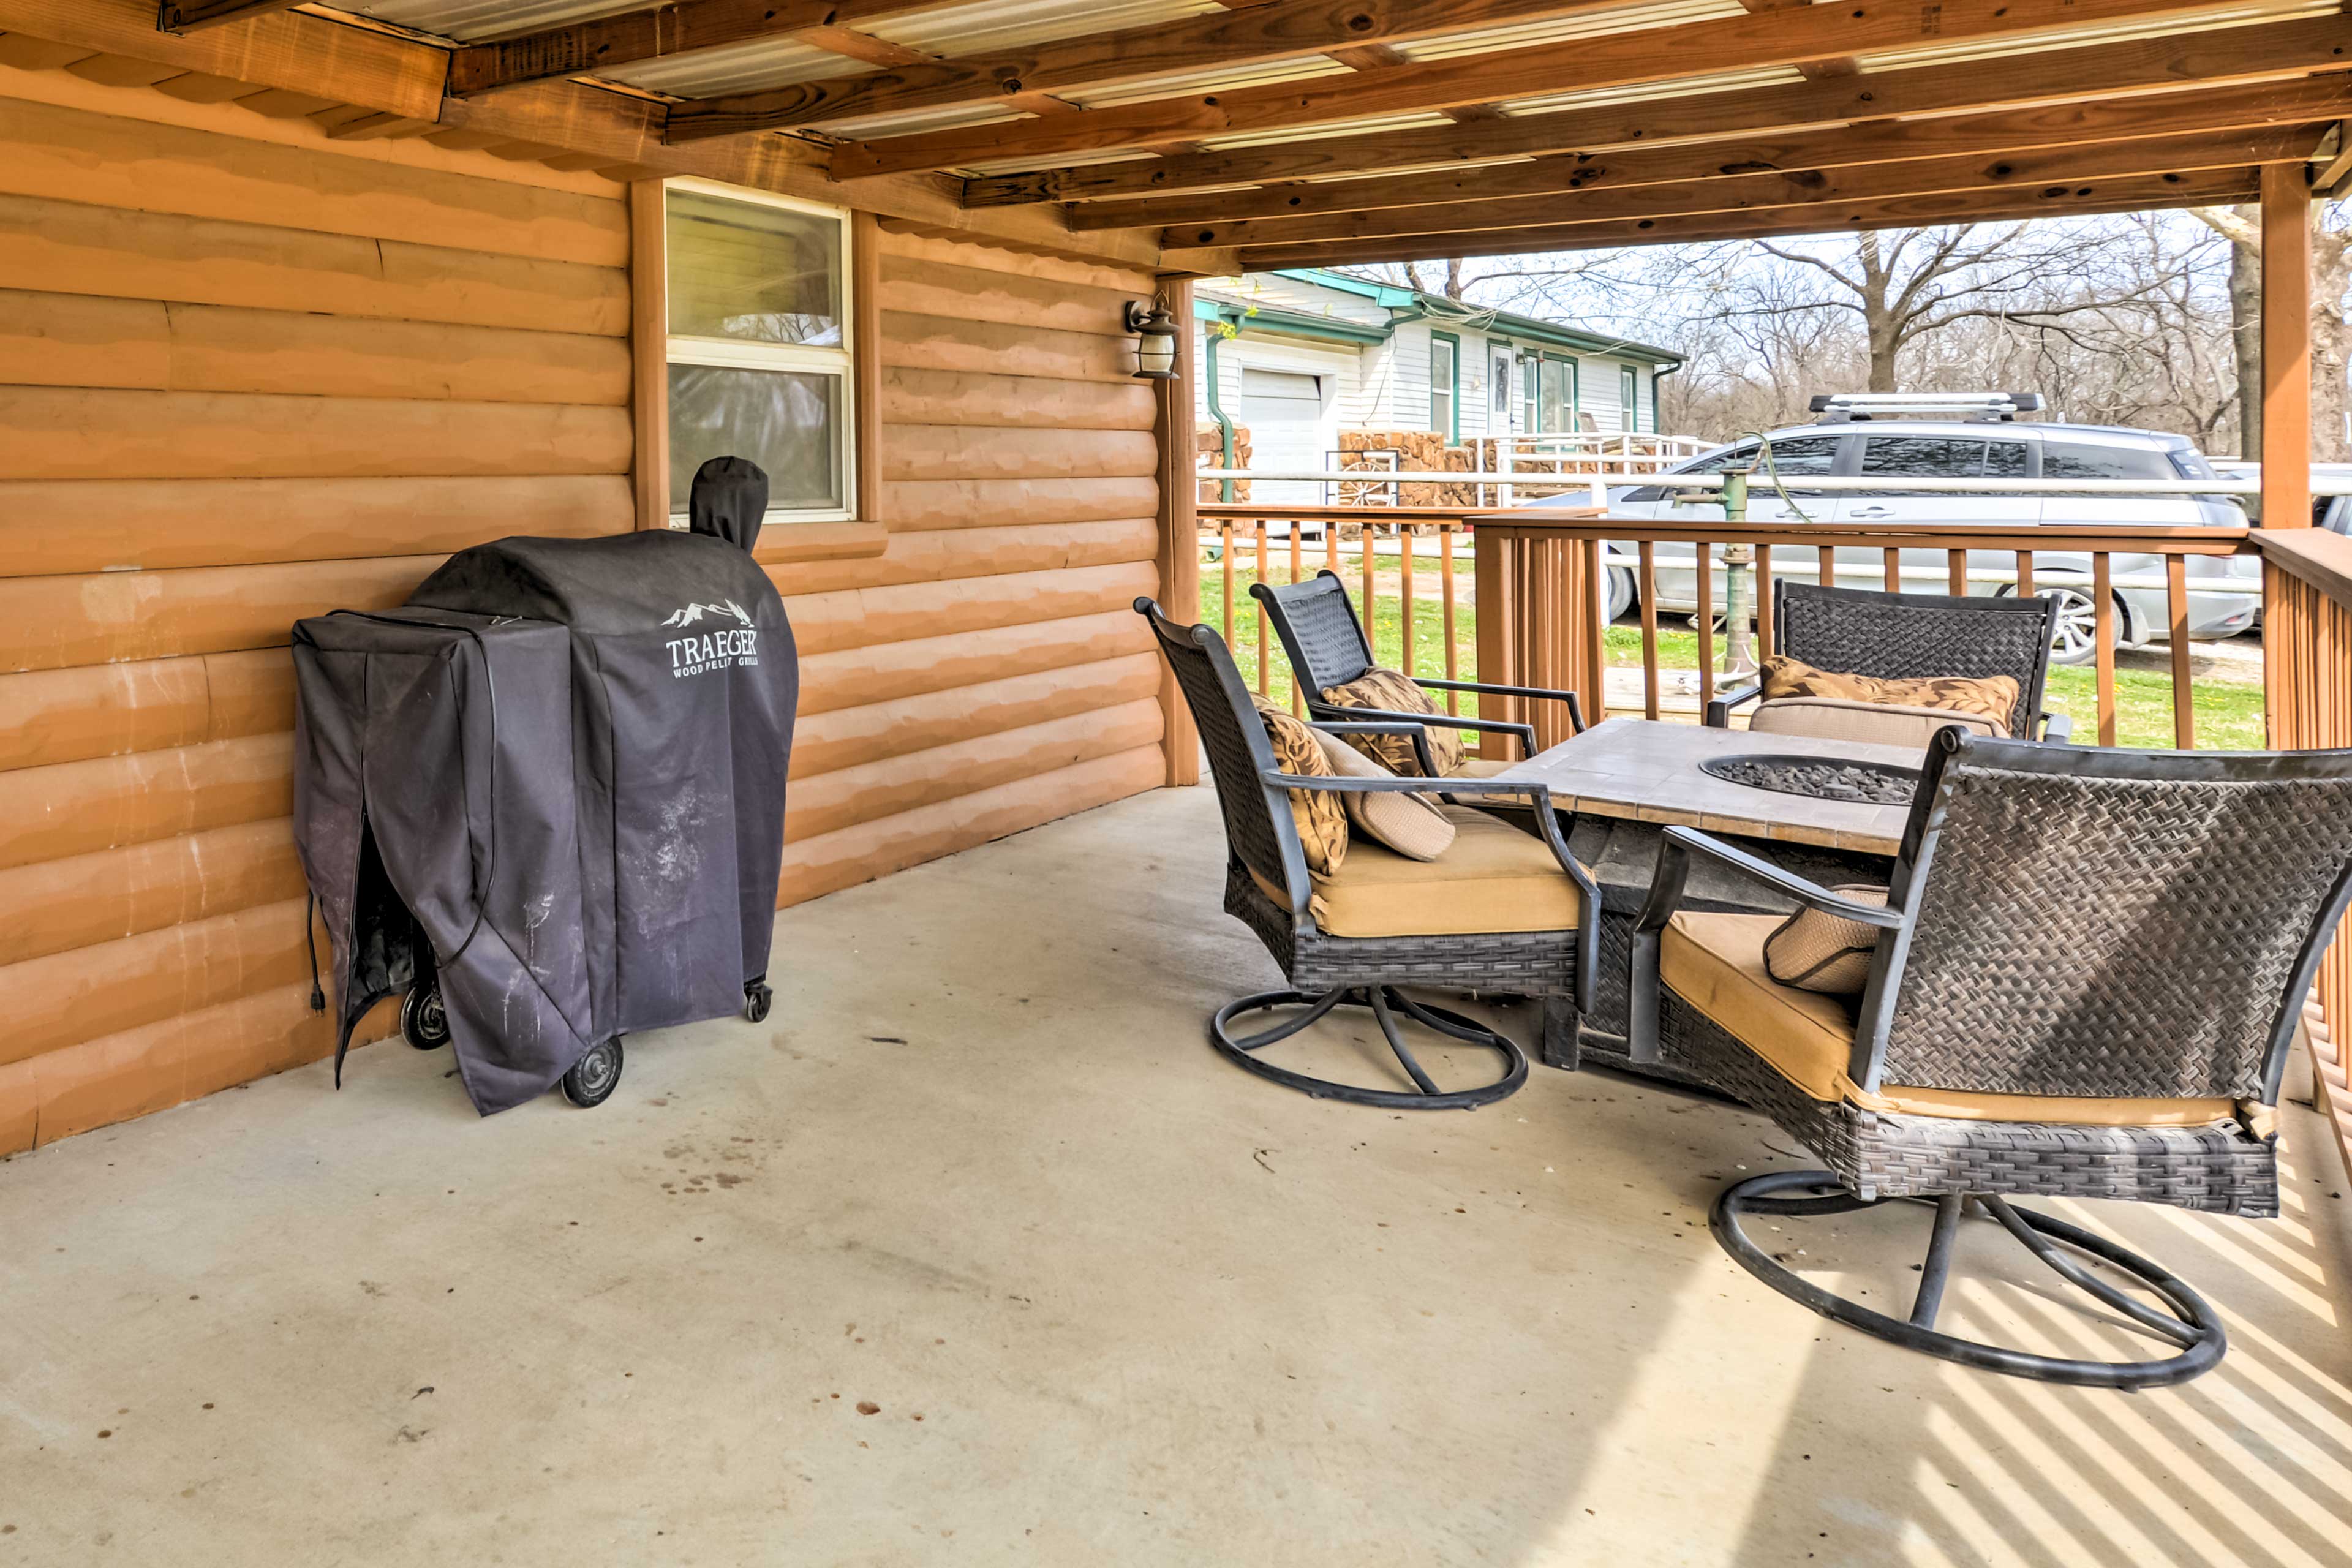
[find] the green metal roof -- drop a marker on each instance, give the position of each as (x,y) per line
(1410,304)
(1297,323)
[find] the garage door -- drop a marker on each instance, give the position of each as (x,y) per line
(1284,412)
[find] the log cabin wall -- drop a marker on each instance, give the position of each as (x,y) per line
(247,374)
(984,674)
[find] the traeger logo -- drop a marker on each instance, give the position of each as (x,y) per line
(721,649)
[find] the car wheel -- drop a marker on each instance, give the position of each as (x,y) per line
(2074,639)
(1621,592)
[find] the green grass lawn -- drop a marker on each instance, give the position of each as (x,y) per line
(2229,713)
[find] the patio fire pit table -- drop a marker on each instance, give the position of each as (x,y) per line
(1622,781)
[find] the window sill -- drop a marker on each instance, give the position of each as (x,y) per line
(784,542)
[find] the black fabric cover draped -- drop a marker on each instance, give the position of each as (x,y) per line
(554,780)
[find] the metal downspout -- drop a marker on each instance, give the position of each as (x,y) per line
(1657,415)
(1212,337)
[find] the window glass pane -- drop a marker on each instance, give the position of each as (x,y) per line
(745,269)
(1629,391)
(1555,395)
(1441,385)
(2064,462)
(1805,455)
(1533,413)
(1502,384)
(787,422)
(2005,460)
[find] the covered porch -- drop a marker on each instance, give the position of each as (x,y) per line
(975,1253)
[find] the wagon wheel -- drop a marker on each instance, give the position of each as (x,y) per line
(594,1076)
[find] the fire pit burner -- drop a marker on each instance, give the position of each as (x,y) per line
(1822,778)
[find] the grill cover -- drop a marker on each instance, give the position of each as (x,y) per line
(557,779)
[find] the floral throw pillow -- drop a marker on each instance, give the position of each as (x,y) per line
(1992,698)
(1392,691)
(1321,819)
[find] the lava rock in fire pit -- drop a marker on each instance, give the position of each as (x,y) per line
(1822,778)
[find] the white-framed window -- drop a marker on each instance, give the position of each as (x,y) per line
(759,346)
(1629,398)
(1502,389)
(1446,386)
(1531,407)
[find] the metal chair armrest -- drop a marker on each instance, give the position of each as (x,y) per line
(1575,705)
(1415,732)
(1718,712)
(1526,733)
(1666,894)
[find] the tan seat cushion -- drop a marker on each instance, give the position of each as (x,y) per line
(1321,820)
(1493,879)
(1848,718)
(1991,697)
(1411,824)
(1814,950)
(1716,962)
(1393,691)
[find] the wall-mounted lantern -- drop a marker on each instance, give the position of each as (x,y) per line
(1155,343)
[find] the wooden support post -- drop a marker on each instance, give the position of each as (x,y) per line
(2286,387)
(1180,534)
(649,350)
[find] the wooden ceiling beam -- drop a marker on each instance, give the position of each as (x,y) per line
(2204,188)
(2235,53)
(655,34)
(2059,169)
(1614,60)
(1196,220)
(1280,29)
(191,15)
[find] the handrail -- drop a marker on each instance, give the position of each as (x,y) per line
(2187,538)
(1844,484)
(2312,555)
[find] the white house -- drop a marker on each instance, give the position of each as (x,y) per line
(1297,356)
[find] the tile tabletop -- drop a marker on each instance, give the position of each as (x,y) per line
(1649,771)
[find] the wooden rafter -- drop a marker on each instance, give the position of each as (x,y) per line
(851,43)
(190,15)
(2236,54)
(2205,188)
(654,33)
(1195,219)
(1614,60)
(2055,170)
(1354,32)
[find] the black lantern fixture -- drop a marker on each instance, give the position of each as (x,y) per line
(1155,343)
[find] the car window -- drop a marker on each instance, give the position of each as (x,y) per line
(1796,457)
(1922,456)
(1713,463)
(2004,460)
(2061,461)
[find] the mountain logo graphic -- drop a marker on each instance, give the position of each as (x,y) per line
(692,613)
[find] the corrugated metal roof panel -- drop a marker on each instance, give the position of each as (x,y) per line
(1225,78)
(913,122)
(470,21)
(1681,87)
(738,68)
(1327,128)
(994,24)
(2239,16)
(1638,17)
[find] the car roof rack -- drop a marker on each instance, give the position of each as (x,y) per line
(1993,407)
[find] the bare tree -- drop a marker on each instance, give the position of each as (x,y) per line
(2331,323)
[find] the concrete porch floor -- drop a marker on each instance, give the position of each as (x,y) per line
(975,1253)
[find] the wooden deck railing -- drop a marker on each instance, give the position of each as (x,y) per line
(2307,686)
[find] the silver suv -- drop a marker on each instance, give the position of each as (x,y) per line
(2225,593)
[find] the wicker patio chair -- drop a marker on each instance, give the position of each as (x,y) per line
(1902,637)
(1267,889)
(1323,640)
(2086,977)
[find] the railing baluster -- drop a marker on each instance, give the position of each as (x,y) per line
(1264,671)
(1447,610)
(2102,636)
(1404,597)
(1225,546)
(2025,573)
(2184,693)
(1596,641)
(1827,566)
(1893,570)
(1645,583)
(1763,603)
(1366,536)
(1298,700)
(1703,558)
(1955,571)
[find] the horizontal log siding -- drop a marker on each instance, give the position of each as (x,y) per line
(246,379)
(983,674)
(243,381)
